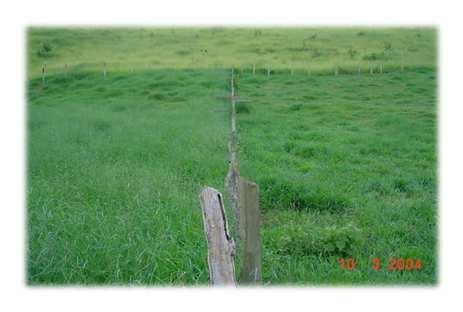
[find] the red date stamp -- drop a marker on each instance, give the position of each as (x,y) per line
(395,264)
(348,264)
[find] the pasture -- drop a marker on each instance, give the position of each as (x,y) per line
(346,163)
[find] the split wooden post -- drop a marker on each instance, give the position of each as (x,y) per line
(220,245)
(104,69)
(268,71)
(253,69)
(250,250)
(43,74)
(371,69)
(381,68)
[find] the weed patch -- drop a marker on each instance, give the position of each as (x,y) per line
(305,241)
(292,195)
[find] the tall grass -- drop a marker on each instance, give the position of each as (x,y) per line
(114,170)
(346,164)
(346,167)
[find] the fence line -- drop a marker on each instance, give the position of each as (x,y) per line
(244,199)
(66,69)
(232,178)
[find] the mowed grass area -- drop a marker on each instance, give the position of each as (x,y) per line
(315,49)
(347,168)
(115,167)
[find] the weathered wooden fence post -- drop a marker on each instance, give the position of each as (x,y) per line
(43,74)
(253,69)
(336,70)
(220,245)
(371,69)
(381,68)
(250,250)
(268,71)
(104,69)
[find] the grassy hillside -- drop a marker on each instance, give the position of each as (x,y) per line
(305,48)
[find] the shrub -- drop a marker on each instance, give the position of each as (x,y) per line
(314,241)
(44,50)
(315,53)
(287,194)
(295,107)
(242,108)
(387,46)
(289,146)
(376,56)
(352,53)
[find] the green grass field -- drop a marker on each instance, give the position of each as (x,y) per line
(346,164)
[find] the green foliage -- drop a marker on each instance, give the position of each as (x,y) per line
(303,241)
(242,108)
(292,195)
(387,46)
(295,107)
(45,50)
(376,56)
(352,53)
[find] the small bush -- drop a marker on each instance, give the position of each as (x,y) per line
(183,52)
(295,107)
(315,53)
(307,152)
(352,53)
(293,195)
(45,50)
(314,241)
(400,186)
(242,108)
(289,146)
(375,56)
(157,96)
(387,46)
